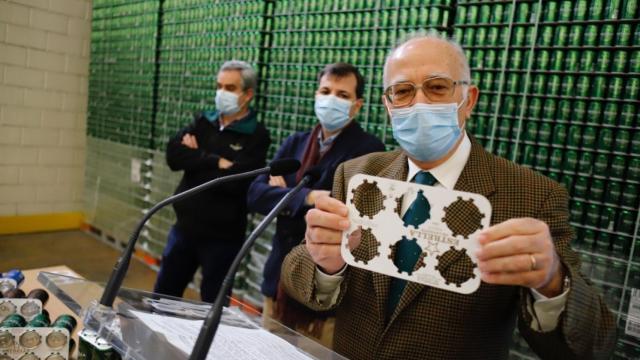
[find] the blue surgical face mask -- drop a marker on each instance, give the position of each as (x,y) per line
(427,132)
(332,111)
(227,102)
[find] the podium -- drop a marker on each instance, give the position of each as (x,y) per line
(149,326)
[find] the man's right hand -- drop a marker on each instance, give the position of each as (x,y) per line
(224,163)
(190,141)
(325,225)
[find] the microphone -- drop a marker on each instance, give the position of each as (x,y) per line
(211,322)
(276,167)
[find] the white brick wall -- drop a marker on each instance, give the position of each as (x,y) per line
(44,66)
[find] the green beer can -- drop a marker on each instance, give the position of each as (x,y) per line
(564,110)
(613,192)
(557,60)
(549,109)
(632,89)
(630,195)
(571,160)
(544,131)
(528,155)
(485,14)
(603,61)
(634,62)
(575,35)
(551,10)
(633,172)
(598,86)
(519,33)
(493,35)
(596,9)
(562,35)
(535,107)
(594,112)
(580,10)
(618,166)
(553,85)
(628,115)
(496,13)
(619,61)
(472,14)
(555,161)
(612,9)
(559,134)
(635,143)
(568,85)
(610,113)
(622,141)
(606,138)
(515,59)
(531,131)
(546,36)
(572,60)
(589,137)
(489,61)
(601,164)
(607,33)
(615,87)
(587,61)
(481,36)
(580,187)
(575,135)
(542,60)
(623,35)
(629,9)
(579,111)
(590,36)
(566,8)
(542,157)
(522,12)
(13,320)
(461,15)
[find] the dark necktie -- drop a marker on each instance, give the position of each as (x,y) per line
(406,256)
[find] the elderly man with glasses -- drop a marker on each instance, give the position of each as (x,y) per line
(529,272)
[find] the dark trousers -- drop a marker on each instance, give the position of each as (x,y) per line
(182,256)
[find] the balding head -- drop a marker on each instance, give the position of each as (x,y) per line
(430,51)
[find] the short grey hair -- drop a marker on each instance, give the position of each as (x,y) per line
(248,74)
(430,34)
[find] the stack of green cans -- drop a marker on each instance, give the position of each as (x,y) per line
(123,41)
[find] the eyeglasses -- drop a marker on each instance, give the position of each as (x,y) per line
(436,89)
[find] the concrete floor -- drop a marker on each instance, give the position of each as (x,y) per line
(78,250)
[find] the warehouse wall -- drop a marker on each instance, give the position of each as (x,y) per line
(44,62)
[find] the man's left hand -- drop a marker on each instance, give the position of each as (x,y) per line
(520,252)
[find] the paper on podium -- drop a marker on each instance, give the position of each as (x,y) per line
(231,342)
(149,326)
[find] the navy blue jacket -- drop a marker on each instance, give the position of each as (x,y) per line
(352,142)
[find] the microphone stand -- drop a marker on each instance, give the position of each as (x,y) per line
(211,322)
(122,265)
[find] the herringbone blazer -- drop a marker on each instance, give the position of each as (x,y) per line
(431,323)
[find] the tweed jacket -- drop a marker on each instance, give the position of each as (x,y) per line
(431,323)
